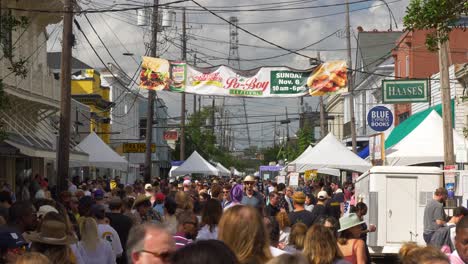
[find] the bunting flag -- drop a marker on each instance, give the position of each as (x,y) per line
(159,74)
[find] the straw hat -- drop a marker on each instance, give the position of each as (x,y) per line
(351,220)
(249,178)
(52,233)
(140,199)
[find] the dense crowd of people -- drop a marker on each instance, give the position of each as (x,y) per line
(210,220)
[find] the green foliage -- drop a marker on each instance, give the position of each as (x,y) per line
(305,136)
(8,24)
(435,15)
(199,136)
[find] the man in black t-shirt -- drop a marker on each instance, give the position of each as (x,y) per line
(272,208)
(121,223)
(300,215)
(335,205)
(319,210)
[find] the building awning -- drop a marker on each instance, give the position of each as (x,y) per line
(407,126)
(31,150)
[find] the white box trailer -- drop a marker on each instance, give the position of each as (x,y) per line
(396,197)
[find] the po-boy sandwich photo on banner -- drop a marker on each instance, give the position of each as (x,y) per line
(160,74)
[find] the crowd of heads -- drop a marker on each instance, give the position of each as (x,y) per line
(209,220)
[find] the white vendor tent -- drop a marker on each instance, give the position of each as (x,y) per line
(425,144)
(222,170)
(195,164)
(100,154)
(238,173)
(329,153)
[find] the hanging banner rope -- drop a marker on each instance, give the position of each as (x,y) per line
(159,74)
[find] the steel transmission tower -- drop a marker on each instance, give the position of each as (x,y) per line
(234,60)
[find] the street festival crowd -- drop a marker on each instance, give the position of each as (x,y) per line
(210,220)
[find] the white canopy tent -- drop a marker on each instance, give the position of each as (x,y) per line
(195,164)
(425,144)
(331,154)
(238,173)
(100,154)
(222,170)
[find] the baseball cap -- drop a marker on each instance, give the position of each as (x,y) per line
(148,186)
(98,211)
(43,210)
(322,195)
(10,239)
(160,197)
(98,194)
(187,182)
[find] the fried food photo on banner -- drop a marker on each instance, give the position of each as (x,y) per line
(154,74)
(329,77)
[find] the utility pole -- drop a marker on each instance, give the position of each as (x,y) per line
(182,114)
(323,131)
(63,147)
(287,125)
(213,115)
(199,103)
(350,81)
(449,157)
(194,95)
(274,134)
(151,96)
(246,120)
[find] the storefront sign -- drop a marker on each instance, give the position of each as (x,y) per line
(310,175)
(404,91)
(159,74)
(449,174)
(377,149)
(171,135)
(380,118)
(137,148)
(294,179)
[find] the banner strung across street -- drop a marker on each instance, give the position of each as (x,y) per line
(163,75)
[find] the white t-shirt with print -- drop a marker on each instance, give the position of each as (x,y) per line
(108,233)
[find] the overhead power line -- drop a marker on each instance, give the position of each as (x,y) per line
(168,5)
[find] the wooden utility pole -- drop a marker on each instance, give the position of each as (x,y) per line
(63,147)
(449,157)
(213,110)
(194,95)
(151,95)
(350,81)
(287,124)
(323,131)
(182,110)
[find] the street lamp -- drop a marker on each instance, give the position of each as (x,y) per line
(390,15)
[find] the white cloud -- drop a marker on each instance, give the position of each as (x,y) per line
(291,35)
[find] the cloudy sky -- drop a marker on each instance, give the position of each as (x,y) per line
(292,24)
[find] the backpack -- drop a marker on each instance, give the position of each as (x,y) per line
(441,238)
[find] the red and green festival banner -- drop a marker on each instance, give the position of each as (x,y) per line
(163,75)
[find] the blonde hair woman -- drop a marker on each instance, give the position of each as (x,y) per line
(242,229)
(284,226)
(92,248)
(33,258)
(296,238)
(320,246)
(184,202)
(411,253)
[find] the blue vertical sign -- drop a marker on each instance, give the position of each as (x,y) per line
(380,118)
